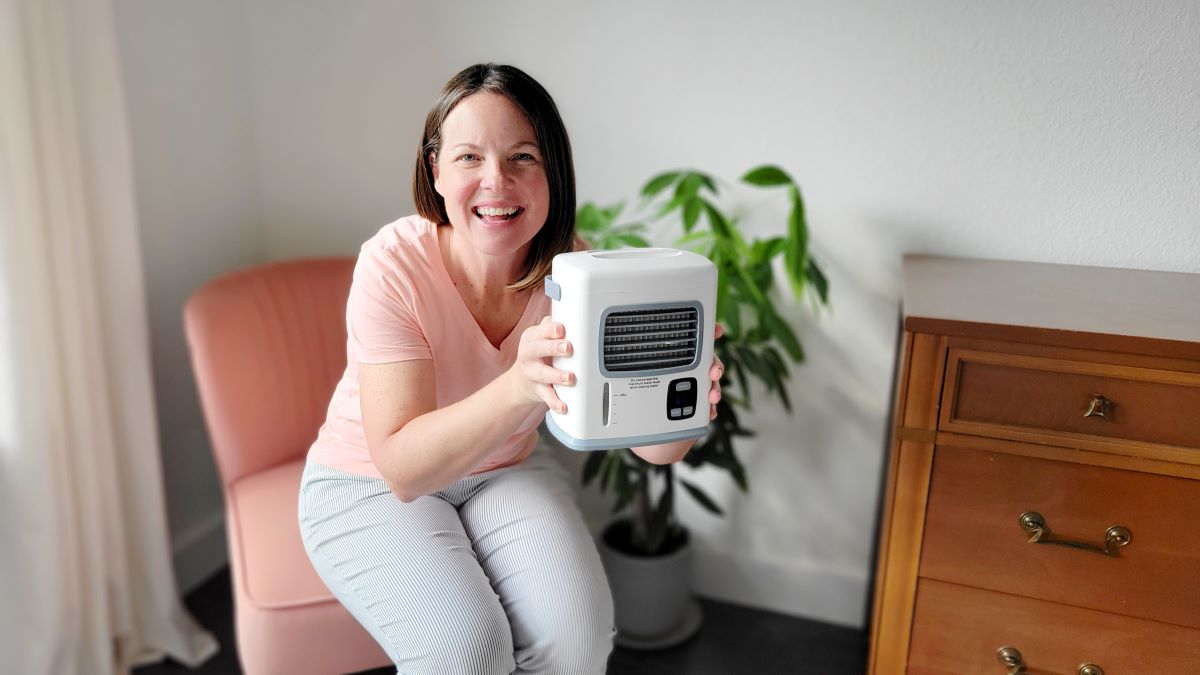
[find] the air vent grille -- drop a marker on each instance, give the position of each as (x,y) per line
(651,339)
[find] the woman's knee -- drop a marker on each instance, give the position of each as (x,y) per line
(465,640)
(576,644)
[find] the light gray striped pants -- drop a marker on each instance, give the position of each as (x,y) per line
(496,573)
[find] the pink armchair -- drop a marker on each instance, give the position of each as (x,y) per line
(268,345)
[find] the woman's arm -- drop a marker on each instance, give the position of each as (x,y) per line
(420,448)
(666,453)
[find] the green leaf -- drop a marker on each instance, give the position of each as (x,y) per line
(782,373)
(749,289)
(631,240)
(796,256)
(588,218)
(689,186)
(691,213)
(610,214)
(781,331)
(775,246)
(717,221)
(610,459)
(772,356)
(762,275)
(630,228)
(758,249)
(783,398)
(743,381)
(699,496)
(755,364)
(819,281)
(726,459)
(698,235)
(670,206)
(592,466)
(614,468)
(694,237)
(766,176)
(659,183)
(739,474)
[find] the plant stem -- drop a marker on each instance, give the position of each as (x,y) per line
(642,512)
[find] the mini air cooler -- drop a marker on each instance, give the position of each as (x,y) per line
(640,322)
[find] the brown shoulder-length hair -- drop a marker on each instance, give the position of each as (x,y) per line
(534,101)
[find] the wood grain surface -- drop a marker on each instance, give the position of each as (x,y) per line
(958,630)
(973,535)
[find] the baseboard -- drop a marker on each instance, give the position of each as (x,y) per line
(823,595)
(199,552)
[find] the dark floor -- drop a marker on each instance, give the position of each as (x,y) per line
(733,639)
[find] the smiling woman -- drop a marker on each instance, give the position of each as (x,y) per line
(428,505)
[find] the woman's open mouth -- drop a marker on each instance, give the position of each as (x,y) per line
(496,215)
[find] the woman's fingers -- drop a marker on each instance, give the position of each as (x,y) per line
(551,398)
(543,374)
(714,393)
(552,348)
(715,373)
(550,329)
(717,370)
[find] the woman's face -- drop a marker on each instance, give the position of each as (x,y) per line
(490,174)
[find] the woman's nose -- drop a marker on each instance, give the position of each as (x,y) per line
(496,175)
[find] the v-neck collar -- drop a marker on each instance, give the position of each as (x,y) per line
(481,337)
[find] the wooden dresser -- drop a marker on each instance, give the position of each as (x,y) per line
(1042,507)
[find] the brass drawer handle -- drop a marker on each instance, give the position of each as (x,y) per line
(1116,536)
(1099,406)
(1010,658)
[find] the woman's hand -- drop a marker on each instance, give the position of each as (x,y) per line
(532,372)
(714,374)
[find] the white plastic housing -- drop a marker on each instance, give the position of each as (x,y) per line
(583,285)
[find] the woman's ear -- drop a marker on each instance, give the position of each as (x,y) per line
(433,166)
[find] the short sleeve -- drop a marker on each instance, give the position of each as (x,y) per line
(381,321)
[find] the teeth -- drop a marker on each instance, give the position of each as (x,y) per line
(496,211)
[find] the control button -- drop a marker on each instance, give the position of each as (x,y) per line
(687,412)
(675,412)
(683,386)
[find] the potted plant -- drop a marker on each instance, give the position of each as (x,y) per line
(647,552)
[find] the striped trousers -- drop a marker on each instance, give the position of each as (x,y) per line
(496,573)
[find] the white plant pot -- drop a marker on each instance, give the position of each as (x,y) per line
(652,595)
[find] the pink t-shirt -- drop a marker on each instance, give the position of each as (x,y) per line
(403,306)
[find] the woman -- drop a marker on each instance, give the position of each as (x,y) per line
(428,505)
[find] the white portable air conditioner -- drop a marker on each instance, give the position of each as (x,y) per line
(641,325)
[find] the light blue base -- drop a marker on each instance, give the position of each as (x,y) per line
(622,441)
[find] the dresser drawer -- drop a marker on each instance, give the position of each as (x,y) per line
(974,534)
(996,394)
(957,630)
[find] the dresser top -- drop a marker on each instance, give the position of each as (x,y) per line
(949,295)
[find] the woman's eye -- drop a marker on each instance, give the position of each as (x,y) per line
(469,157)
(524,157)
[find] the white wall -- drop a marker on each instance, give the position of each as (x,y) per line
(185,66)
(1063,132)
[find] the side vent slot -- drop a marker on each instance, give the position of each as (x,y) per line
(648,340)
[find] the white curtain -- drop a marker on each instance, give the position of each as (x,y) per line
(86,583)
